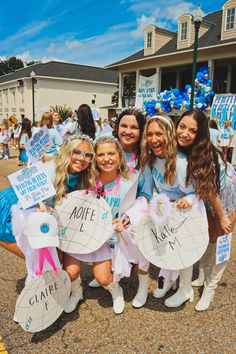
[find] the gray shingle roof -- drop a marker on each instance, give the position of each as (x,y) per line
(64,70)
(210,38)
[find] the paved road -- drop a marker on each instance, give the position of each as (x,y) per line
(93,328)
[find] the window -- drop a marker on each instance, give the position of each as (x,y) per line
(149,40)
(184,29)
(230,18)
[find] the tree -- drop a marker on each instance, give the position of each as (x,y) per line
(10,65)
(32,62)
(129,90)
(115,97)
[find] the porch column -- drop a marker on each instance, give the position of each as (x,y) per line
(121,83)
(178,79)
(211,66)
(137,82)
(229,77)
(158,72)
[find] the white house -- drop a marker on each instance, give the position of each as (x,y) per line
(55,83)
(169,54)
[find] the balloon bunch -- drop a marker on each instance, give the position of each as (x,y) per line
(175,99)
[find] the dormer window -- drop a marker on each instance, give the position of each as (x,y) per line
(230,18)
(149,40)
(183,31)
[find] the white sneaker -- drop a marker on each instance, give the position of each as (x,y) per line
(5,158)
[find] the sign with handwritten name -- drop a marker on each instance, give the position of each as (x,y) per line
(176,245)
(84,222)
(42,301)
(38,144)
(32,185)
(223,247)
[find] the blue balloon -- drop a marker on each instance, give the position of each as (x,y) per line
(176,92)
(187,87)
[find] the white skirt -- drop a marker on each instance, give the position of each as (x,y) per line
(102,254)
(125,255)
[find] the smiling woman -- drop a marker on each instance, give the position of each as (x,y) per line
(169,173)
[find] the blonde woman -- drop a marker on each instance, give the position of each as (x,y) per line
(73,169)
(112,183)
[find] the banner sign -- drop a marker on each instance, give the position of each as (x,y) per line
(147,89)
(223,246)
(42,301)
(38,144)
(224,108)
(84,222)
(32,185)
(176,245)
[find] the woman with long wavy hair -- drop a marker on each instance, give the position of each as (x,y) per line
(215,182)
(86,123)
(168,168)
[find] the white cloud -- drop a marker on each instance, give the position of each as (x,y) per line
(183,7)
(143,22)
(25,56)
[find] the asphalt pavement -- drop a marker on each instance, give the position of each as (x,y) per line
(94,328)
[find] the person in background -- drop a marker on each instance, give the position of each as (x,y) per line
(25,135)
(71,125)
(86,124)
(55,136)
(35,127)
(57,124)
(215,135)
(16,132)
(5,139)
(226,138)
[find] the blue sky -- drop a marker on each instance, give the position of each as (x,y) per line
(85,31)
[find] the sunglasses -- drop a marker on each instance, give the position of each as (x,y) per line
(87,155)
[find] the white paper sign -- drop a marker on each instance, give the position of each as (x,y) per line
(38,144)
(95,113)
(147,89)
(42,301)
(178,244)
(84,222)
(223,246)
(32,185)
(61,129)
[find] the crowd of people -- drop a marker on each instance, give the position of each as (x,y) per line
(178,160)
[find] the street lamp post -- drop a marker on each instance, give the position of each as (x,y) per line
(197,18)
(34,81)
